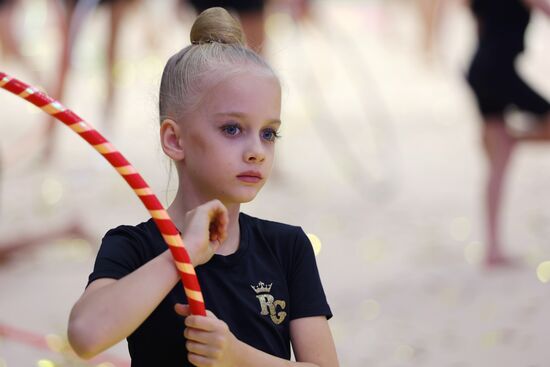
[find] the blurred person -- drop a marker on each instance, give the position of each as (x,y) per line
(8,40)
(430,12)
(9,44)
(71,229)
(251,14)
(499,90)
(72,14)
(219,107)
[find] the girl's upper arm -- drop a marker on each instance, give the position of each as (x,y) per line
(95,285)
(312,341)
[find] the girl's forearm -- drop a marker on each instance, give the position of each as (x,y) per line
(104,316)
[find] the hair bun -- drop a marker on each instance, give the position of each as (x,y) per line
(216,25)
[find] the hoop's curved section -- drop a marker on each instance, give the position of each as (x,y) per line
(161,218)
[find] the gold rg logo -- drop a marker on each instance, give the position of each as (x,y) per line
(269,304)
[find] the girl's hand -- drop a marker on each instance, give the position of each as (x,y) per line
(205,228)
(209,340)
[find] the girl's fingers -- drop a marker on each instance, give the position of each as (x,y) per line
(199,361)
(182,310)
(201,322)
(218,221)
(196,335)
(201,349)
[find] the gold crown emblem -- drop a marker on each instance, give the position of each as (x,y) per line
(262,287)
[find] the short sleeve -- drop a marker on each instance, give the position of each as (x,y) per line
(307,297)
(121,252)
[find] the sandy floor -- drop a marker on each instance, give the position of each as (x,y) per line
(380,159)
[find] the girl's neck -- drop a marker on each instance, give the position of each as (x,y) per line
(181,205)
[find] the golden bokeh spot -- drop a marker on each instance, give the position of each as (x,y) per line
(373,250)
(404,352)
(315,243)
(149,68)
(473,253)
(276,21)
(45,363)
(461,228)
(56,343)
(491,338)
(449,295)
(52,191)
(543,271)
(124,73)
(487,312)
(105,364)
(370,309)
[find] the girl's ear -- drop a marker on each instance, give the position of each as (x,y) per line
(171,139)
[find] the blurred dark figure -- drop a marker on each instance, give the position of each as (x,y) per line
(251,15)
(72,16)
(499,90)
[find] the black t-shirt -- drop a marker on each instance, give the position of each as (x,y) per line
(271,279)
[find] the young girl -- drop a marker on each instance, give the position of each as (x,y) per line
(220,113)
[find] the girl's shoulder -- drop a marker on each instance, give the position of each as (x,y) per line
(144,230)
(276,234)
(142,236)
(268,226)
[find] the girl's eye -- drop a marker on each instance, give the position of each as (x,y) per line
(231,129)
(270,134)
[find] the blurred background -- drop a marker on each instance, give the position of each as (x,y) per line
(380,160)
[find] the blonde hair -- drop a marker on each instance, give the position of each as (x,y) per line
(217,50)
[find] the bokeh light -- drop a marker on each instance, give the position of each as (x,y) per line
(277,21)
(105,364)
(52,191)
(461,228)
(373,249)
(473,253)
(315,242)
(45,363)
(75,249)
(491,338)
(56,343)
(543,271)
(404,352)
(370,309)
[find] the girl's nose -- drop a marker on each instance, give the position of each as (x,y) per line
(255,152)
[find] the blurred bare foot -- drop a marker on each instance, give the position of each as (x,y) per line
(494,261)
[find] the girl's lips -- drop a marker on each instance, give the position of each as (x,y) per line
(250,177)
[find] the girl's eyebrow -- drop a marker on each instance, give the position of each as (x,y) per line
(241,115)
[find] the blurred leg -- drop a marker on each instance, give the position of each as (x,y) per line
(253,27)
(118,8)
(430,13)
(58,91)
(498,146)
(8,42)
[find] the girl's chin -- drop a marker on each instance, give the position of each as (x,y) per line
(240,198)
